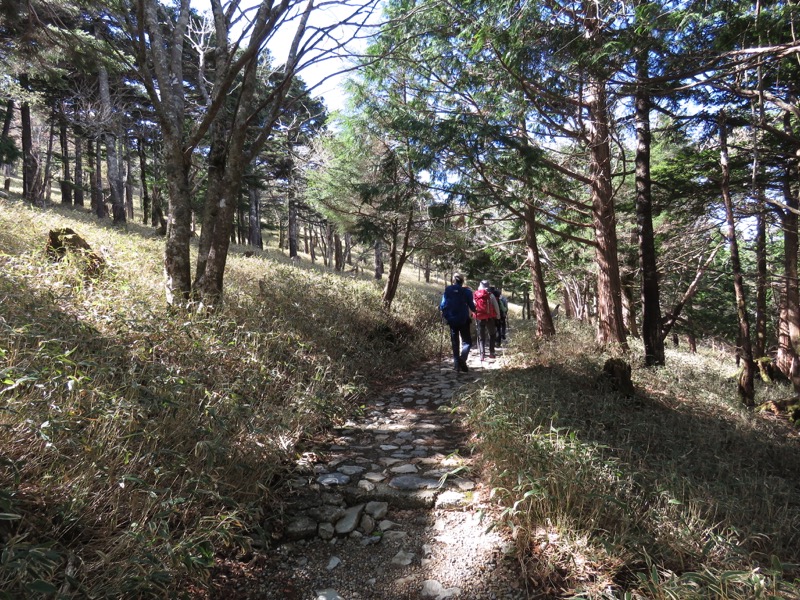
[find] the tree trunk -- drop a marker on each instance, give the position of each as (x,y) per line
(48,166)
(100,208)
(292,225)
(651,300)
(759,349)
(629,304)
(66,173)
(544,319)
(215,199)
(143,179)
(112,162)
(746,379)
(128,178)
(338,253)
(398,254)
(329,248)
(79,196)
(177,264)
(254,233)
(789,323)
(30,164)
(566,300)
(7,118)
(378,259)
(610,326)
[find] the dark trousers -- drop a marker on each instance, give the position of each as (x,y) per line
(501,328)
(486,329)
(461,340)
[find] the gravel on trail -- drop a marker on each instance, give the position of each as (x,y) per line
(390,506)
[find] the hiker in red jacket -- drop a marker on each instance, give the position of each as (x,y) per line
(486,311)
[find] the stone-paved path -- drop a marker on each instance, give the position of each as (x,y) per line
(391,508)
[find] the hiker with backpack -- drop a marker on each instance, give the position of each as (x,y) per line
(502,303)
(486,311)
(456,305)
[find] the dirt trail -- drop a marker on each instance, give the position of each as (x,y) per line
(388,507)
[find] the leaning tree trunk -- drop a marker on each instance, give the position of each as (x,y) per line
(746,379)
(651,301)
(398,254)
(544,319)
(610,325)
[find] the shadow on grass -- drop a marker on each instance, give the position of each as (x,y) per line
(657,476)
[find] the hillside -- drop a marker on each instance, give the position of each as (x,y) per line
(139,443)
(141,447)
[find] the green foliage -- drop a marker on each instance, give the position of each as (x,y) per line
(8,151)
(139,445)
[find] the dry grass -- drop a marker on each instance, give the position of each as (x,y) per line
(678,492)
(138,444)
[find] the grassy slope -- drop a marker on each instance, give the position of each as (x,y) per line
(678,492)
(137,444)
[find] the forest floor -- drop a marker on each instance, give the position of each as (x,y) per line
(389,506)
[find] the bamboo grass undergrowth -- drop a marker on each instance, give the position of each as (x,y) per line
(678,492)
(139,444)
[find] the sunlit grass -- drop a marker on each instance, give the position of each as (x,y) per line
(678,492)
(138,444)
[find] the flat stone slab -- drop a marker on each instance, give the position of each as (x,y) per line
(412,482)
(333,479)
(351,470)
(350,519)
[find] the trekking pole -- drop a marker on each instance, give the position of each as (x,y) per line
(441,344)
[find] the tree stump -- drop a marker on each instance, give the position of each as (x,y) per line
(617,374)
(62,241)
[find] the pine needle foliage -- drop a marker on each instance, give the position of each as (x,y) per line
(139,444)
(677,492)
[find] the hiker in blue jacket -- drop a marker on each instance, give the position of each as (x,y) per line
(456,306)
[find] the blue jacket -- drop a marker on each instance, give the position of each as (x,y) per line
(456,303)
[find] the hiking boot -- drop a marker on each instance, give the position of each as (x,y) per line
(492,356)
(462,365)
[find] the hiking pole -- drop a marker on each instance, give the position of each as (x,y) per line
(441,344)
